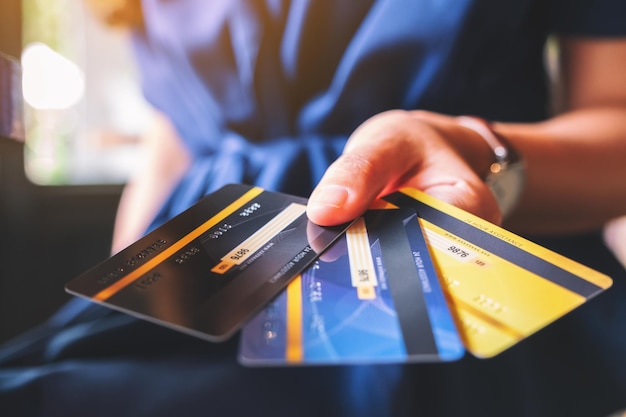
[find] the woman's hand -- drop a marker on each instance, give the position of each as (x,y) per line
(574,161)
(423,150)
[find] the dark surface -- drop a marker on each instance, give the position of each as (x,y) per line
(48,235)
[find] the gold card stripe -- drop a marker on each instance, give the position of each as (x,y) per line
(294,352)
(176,246)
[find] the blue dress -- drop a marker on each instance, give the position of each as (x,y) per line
(266,92)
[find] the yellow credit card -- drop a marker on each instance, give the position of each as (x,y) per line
(500,287)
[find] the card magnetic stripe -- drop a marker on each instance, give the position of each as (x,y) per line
(498,246)
(445,333)
(406,290)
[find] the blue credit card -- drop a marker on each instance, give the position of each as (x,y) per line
(372,297)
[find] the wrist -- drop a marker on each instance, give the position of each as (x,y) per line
(506,173)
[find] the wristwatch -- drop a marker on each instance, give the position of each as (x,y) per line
(507,173)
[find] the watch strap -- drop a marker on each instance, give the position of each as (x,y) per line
(506,158)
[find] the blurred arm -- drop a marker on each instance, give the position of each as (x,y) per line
(577,160)
(165,160)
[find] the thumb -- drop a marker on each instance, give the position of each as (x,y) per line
(344,192)
(392,150)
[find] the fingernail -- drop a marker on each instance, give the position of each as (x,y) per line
(331,196)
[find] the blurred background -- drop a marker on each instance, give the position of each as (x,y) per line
(59,188)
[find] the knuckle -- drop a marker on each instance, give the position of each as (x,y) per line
(354,165)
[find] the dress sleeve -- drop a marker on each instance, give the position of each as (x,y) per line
(593,18)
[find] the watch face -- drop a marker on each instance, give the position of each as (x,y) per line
(507,186)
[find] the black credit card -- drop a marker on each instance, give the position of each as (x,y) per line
(209,269)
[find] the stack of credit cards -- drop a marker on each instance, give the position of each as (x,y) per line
(415,280)
(373,296)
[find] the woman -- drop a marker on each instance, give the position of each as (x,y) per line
(349,101)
